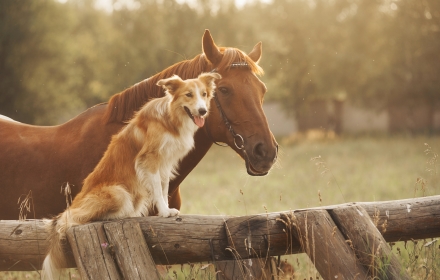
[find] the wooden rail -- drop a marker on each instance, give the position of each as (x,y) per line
(196,238)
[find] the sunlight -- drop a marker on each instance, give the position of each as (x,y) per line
(107,5)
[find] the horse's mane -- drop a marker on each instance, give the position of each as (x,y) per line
(122,106)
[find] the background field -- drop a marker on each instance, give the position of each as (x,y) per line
(350,169)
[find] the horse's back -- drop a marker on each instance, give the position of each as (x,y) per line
(23,150)
(42,159)
(4,118)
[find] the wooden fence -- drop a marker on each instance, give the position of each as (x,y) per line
(347,241)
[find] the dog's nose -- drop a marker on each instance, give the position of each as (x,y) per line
(202,111)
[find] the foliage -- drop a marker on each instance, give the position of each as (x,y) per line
(57,59)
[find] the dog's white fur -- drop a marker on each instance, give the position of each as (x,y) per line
(132,178)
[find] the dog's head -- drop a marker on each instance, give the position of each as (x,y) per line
(193,95)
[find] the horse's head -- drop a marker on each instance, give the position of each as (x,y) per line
(237,116)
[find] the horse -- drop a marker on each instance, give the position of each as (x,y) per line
(39,162)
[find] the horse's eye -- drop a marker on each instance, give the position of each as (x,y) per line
(223,90)
(189,94)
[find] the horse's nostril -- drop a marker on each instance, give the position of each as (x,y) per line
(260,151)
(202,111)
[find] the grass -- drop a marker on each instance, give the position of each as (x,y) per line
(349,169)
(314,173)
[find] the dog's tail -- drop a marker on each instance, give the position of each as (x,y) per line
(55,259)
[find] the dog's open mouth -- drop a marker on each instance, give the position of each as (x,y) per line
(199,121)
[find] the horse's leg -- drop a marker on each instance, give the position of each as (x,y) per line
(201,146)
(174,199)
(165,186)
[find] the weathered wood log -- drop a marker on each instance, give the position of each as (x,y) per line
(126,239)
(23,245)
(187,238)
(325,245)
(369,245)
(100,251)
(397,220)
(93,255)
(405,219)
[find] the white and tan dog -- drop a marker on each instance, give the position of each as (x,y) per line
(132,178)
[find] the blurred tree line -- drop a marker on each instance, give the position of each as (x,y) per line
(58,58)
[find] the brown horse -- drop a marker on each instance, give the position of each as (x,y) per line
(43,159)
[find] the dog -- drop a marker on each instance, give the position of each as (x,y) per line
(131,180)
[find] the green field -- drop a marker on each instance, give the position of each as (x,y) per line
(314,173)
(349,169)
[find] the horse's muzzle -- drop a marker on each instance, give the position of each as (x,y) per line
(261,160)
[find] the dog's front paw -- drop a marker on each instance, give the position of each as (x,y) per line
(169,213)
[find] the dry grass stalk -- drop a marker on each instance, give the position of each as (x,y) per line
(25,206)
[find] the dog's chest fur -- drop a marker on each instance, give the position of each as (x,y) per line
(173,149)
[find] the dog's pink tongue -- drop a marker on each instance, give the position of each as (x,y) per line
(199,121)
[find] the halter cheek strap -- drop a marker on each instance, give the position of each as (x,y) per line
(228,125)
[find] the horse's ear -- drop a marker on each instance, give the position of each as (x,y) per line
(170,84)
(256,52)
(210,50)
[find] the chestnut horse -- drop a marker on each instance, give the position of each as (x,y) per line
(42,159)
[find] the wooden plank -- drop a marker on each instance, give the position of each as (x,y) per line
(371,248)
(186,238)
(92,251)
(325,245)
(131,251)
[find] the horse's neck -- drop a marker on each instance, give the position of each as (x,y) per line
(123,105)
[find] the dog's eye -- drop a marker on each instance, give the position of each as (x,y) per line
(204,94)
(189,94)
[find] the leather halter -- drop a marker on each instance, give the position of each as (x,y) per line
(228,126)
(231,130)
(225,119)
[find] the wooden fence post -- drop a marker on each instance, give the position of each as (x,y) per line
(114,250)
(131,251)
(370,246)
(93,257)
(325,245)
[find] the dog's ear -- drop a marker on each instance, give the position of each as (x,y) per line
(171,84)
(209,79)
